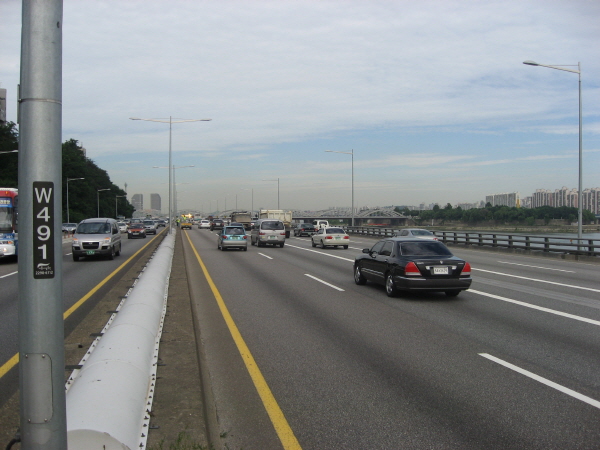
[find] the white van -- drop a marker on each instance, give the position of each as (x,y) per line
(320,223)
(267,231)
(96,237)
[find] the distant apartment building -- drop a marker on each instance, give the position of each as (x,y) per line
(567,197)
(155,202)
(138,201)
(511,199)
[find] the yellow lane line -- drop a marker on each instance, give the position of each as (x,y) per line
(12,362)
(280,423)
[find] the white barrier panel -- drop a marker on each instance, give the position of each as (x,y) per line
(107,400)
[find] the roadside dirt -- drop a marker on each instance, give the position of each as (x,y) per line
(177,406)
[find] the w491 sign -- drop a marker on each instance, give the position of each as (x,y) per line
(43,229)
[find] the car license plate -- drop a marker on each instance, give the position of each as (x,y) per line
(440,271)
(90,252)
(235,238)
(337,237)
(272,237)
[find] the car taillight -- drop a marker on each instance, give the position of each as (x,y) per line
(411,269)
(224,237)
(467,269)
(245,237)
(262,233)
(346,237)
(328,237)
(282,234)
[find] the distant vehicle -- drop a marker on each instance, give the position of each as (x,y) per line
(161,223)
(9,236)
(304,229)
(122,227)
(96,237)
(242,217)
(278,214)
(320,223)
(150,226)
(233,236)
(69,227)
(268,231)
(136,230)
(416,233)
(330,237)
(185,223)
(217,224)
(412,264)
(204,224)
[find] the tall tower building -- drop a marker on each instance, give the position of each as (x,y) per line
(138,201)
(155,202)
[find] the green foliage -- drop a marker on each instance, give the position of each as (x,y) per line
(500,215)
(9,140)
(83,194)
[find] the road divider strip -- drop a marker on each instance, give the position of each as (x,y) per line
(280,423)
(552,384)
(539,281)
(13,361)
(539,308)
(324,282)
(321,253)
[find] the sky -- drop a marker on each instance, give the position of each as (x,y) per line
(432,97)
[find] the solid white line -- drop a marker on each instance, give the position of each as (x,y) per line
(552,384)
(321,253)
(324,282)
(9,274)
(540,308)
(262,254)
(535,267)
(540,281)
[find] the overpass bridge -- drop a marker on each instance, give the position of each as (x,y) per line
(369,217)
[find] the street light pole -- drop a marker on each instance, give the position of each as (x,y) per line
(277,190)
(580,187)
(98,198)
(171,122)
(116,197)
(70,179)
(351,153)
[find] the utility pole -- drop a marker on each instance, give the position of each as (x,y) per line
(41,336)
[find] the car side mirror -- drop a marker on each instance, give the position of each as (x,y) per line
(366,250)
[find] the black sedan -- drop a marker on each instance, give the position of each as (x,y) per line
(217,224)
(409,264)
(304,229)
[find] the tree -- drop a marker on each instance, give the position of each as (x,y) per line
(9,162)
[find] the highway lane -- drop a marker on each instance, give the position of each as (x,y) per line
(510,364)
(78,279)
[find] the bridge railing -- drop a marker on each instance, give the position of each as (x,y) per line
(548,244)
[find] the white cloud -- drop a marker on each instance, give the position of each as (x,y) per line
(436,86)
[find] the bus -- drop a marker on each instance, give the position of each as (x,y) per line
(9,220)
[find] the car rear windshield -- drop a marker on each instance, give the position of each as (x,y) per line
(334,231)
(272,226)
(424,248)
(233,231)
(93,228)
(421,233)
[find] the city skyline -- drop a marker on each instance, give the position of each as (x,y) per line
(432,99)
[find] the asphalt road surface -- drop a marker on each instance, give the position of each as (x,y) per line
(317,362)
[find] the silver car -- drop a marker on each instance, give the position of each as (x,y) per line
(96,237)
(268,231)
(232,237)
(150,226)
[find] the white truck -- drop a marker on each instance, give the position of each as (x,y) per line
(278,214)
(242,217)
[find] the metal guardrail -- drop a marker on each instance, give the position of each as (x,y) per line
(547,244)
